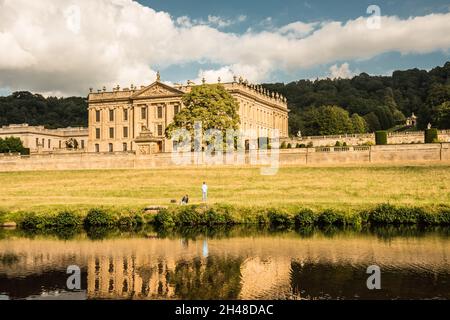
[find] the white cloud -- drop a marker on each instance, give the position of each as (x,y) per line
(117,42)
(343,71)
(254,74)
(298,29)
(213,21)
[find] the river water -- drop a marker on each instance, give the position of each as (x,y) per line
(234,263)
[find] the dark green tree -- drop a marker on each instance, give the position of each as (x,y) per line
(359,124)
(372,121)
(327,120)
(213,105)
(12,145)
(441,115)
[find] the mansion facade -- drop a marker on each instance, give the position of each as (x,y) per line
(120,119)
(40,139)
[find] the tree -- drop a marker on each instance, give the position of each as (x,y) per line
(403,93)
(327,120)
(372,121)
(211,104)
(385,117)
(441,115)
(359,124)
(12,145)
(34,109)
(438,94)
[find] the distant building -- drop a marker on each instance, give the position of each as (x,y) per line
(40,139)
(123,117)
(411,121)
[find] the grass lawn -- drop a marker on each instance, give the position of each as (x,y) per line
(314,187)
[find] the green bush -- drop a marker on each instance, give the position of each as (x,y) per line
(444,216)
(384,213)
(389,214)
(430,218)
(310,144)
(381,138)
(219,215)
(289,146)
(331,217)
(189,216)
(283,145)
(99,217)
(164,218)
(279,218)
(67,219)
(353,219)
(305,217)
(131,220)
(404,215)
(32,221)
(262,219)
(338,144)
(431,135)
(126,221)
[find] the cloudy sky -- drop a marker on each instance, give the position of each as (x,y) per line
(64,47)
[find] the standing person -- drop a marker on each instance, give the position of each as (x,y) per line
(204,192)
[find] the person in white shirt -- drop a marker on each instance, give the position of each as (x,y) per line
(204,192)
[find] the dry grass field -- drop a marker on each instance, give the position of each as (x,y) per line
(314,187)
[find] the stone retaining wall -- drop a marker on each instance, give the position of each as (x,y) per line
(359,139)
(439,152)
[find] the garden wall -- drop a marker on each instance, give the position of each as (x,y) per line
(419,153)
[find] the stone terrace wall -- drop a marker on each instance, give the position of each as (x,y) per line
(419,153)
(359,139)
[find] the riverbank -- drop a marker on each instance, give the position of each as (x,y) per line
(228,215)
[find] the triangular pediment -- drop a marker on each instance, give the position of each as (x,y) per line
(157,89)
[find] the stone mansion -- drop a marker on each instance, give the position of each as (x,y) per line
(120,119)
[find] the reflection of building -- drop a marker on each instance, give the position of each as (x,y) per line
(117,118)
(262,267)
(38,138)
(129,277)
(411,121)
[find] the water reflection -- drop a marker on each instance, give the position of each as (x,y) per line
(227,263)
(346,281)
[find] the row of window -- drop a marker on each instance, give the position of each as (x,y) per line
(49,143)
(144,112)
(111,147)
(124,132)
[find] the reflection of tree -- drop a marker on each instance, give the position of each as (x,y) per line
(324,280)
(212,278)
(146,274)
(9,259)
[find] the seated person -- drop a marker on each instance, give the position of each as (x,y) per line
(185,200)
